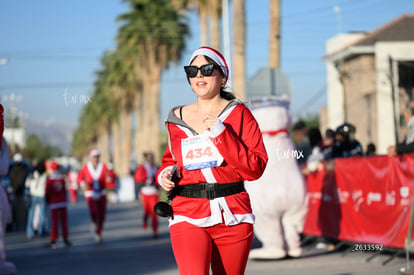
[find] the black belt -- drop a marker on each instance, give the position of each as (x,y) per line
(209,190)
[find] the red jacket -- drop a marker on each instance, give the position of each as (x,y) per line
(239,142)
(93,179)
(145,174)
(55,193)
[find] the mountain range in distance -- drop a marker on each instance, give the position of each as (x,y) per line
(53,133)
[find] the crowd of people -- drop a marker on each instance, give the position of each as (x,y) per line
(341,142)
(40,191)
(317,148)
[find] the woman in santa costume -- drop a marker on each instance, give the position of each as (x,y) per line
(93,177)
(145,176)
(55,195)
(72,177)
(217,145)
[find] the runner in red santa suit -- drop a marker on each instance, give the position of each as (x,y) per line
(216,144)
(111,184)
(55,195)
(145,175)
(72,177)
(93,177)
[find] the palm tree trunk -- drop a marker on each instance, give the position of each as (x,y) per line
(239,47)
(103,144)
(117,153)
(202,13)
(126,142)
(215,31)
(141,134)
(151,100)
(154,119)
(150,118)
(274,35)
(138,134)
(140,112)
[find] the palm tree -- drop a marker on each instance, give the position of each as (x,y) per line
(83,138)
(109,112)
(105,114)
(157,32)
(93,127)
(121,83)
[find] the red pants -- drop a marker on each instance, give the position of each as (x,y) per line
(225,247)
(148,202)
(97,211)
(61,213)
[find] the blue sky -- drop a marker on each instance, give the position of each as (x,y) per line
(54,49)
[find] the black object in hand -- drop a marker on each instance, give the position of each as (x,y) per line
(174,174)
(162,208)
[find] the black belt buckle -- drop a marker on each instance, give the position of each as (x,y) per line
(208,191)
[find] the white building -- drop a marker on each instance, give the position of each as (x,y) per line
(370,79)
(16,137)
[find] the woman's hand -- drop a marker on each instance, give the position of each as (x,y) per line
(209,121)
(166,182)
(391,151)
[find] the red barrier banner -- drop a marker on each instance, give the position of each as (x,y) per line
(363,200)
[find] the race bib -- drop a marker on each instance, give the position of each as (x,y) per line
(199,152)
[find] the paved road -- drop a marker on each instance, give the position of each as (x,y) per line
(128,249)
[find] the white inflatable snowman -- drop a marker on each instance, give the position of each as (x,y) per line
(278,198)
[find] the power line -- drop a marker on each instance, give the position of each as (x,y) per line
(312,99)
(56,58)
(45,85)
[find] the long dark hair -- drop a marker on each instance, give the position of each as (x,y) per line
(40,167)
(315,137)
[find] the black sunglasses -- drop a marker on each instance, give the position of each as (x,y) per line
(205,70)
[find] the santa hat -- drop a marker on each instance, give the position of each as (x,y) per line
(94,153)
(216,56)
(54,166)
